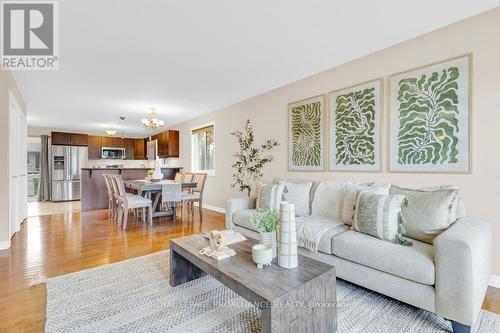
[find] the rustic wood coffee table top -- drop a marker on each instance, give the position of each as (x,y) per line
(312,282)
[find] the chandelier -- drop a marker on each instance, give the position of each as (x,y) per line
(152,123)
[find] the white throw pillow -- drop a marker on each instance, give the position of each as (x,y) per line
(297,193)
(269,196)
(431,211)
(351,193)
(328,200)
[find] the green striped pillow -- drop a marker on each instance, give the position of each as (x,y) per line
(269,196)
(379,215)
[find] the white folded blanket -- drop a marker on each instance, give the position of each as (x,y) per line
(309,233)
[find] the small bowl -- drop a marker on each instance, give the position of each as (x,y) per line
(262,255)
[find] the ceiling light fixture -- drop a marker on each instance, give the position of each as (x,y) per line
(111,131)
(152,123)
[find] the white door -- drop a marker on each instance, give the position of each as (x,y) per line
(17,166)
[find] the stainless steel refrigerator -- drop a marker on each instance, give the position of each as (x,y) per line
(67,164)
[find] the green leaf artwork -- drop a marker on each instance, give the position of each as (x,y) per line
(355,128)
(305,134)
(429,118)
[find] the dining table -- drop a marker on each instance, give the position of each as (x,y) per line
(152,190)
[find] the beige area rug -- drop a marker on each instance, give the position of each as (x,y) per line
(135,296)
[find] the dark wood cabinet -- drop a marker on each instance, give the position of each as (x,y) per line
(79,139)
(69,139)
(106,141)
(59,138)
(140,149)
(129,149)
(94,143)
(168,144)
(118,143)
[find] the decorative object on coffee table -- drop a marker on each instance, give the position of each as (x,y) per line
(266,222)
(250,160)
(288,237)
(310,288)
(262,255)
(217,248)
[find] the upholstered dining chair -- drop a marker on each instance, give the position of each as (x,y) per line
(197,193)
(111,197)
(171,195)
(128,201)
(179,177)
(188,178)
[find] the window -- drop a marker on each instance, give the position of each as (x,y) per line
(203,149)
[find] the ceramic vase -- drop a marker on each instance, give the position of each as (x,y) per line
(287,256)
(157,175)
(269,238)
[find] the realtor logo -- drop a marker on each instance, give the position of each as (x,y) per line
(30,33)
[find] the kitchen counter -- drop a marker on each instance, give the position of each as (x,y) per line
(94,193)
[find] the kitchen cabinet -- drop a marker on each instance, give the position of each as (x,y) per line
(140,149)
(129,149)
(79,139)
(168,144)
(60,138)
(118,143)
(106,141)
(94,143)
(69,139)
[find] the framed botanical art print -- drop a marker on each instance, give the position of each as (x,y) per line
(354,139)
(430,118)
(305,135)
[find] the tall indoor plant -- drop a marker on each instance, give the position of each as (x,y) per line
(250,159)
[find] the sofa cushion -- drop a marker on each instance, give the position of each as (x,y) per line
(325,243)
(243,218)
(269,196)
(328,200)
(297,193)
(351,193)
(431,211)
(414,262)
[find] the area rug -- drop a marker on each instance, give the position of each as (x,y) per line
(135,296)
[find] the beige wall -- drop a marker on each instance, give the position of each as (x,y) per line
(7,84)
(268,112)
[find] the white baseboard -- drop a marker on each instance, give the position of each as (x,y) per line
(213,208)
(495,281)
(4,245)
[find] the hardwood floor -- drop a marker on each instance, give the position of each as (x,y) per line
(53,245)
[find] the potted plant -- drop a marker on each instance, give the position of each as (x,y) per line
(266,222)
(251,159)
(150,174)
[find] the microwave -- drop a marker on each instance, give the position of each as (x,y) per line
(113,153)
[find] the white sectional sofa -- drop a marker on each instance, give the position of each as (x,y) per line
(449,277)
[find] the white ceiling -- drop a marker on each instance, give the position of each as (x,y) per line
(192,57)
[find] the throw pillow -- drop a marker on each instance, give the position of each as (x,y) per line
(269,196)
(379,215)
(351,193)
(432,211)
(297,193)
(329,199)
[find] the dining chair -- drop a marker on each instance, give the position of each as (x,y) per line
(171,195)
(131,201)
(188,178)
(197,193)
(179,177)
(111,199)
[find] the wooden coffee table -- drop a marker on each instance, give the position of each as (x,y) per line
(302,299)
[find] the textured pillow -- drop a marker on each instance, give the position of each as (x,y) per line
(329,199)
(351,193)
(269,196)
(378,215)
(431,212)
(298,194)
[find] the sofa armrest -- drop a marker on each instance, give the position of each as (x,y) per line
(463,258)
(236,204)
